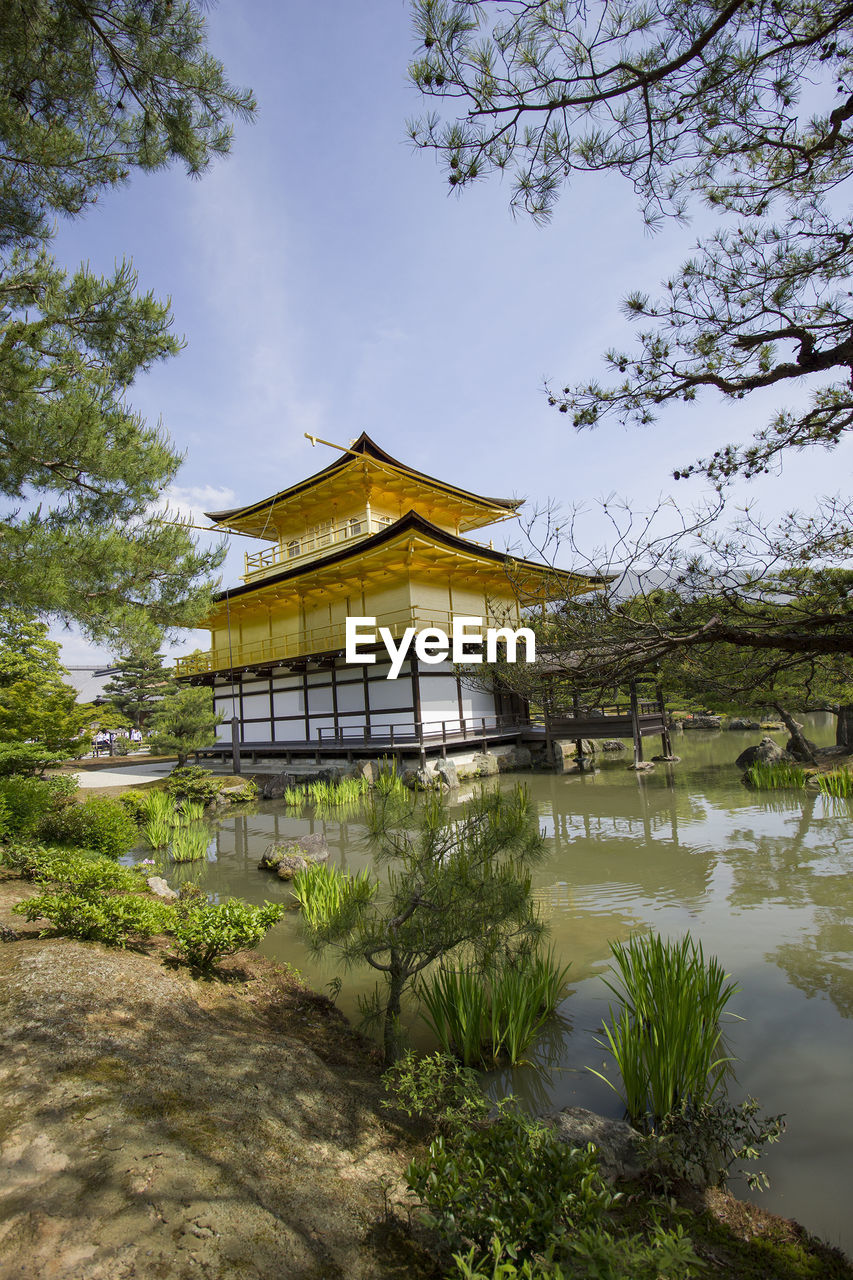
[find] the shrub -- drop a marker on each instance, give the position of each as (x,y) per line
(665,1037)
(699,1144)
(114,920)
(595,1253)
(193,782)
(205,934)
(100,823)
(27,758)
(511,1178)
(87,873)
(30,801)
(435,1089)
(134,803)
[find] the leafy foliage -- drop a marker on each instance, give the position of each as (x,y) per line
(193,782)
(99,823)
(436,1089)
(511,1178)
(699,1143)
(322,891)
(32,802)
(207,933)
(88,93)
(665,1035)
(115,920)
(139,682)
(27,759)
(86,873)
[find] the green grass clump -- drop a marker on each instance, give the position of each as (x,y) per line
(321,891)
(665,1035)
(762,776)
(838,784)
(492,1014)
(160,814)
(190,842)
(295,797)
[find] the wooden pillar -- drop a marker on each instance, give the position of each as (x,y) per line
(305,703)
(549,742)
(635,725)
(235,745)
(335,698)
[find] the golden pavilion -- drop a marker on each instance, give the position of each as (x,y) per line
(365,537)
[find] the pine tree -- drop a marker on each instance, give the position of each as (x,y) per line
(139,685)
(184,722)
(89,93)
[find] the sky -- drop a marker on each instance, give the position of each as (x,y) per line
(326,282)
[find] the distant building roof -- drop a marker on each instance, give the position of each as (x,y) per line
(90,681)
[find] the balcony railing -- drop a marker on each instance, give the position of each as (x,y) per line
(326,535)
(317,640)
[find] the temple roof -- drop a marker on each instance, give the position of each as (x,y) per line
(429,536)
(475,510)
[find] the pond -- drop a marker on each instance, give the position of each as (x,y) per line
(765,881)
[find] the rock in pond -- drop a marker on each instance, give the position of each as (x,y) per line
(614,1140)
(290,856)
(766,752)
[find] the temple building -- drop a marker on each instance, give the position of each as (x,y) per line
(366,537)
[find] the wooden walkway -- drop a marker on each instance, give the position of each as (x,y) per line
(636,721)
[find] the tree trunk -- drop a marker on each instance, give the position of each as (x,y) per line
(391,1028)
(800,745)
(844,726)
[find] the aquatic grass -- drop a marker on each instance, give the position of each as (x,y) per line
(190,843)
(342,792)
(665,1035)
(838,784)
(389,784)
(323,891)
(189,813)
(763,776)
(159,818)
(295,797)
(492,1014)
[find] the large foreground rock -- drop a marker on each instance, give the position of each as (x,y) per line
(615,1141)
(291,856)
(768,751)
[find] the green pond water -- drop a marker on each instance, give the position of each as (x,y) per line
(765,881)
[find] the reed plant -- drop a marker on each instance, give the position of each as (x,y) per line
(322,891)
(485,1015)
(838,784)
(779,776)
(389,784)
(159,819)
(190,842)
(665,1035)
(295,797)
(189,813)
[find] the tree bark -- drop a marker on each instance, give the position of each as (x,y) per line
(390,1030)
(802,748)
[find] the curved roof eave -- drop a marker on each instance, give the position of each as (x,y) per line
(410,521)
(363,445)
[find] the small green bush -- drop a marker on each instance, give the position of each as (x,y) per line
(31,801)
(134,803)
(435,1089)
(700,1144)
(511,1178)
(207,933)
(193,782)
(27,759)
(594,1253)
(114,920)
(88,873)
(100,823)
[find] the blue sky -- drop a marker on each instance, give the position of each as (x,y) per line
(326,282)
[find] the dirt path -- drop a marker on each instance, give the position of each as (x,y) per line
(154,1126)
